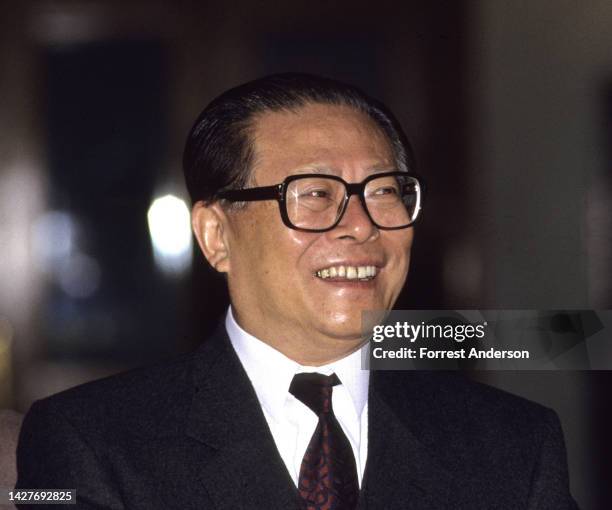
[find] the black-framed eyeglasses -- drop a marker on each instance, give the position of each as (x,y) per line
(316,202)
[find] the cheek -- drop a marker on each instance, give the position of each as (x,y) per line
(301,245)
(405,249)
(267,244)
(287,248)
(401,255)
(400,245)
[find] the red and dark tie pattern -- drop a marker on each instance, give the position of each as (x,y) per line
(328,475)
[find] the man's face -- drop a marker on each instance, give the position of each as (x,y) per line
(272,271)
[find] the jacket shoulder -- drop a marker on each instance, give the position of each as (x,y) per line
(445,405)
(138,401)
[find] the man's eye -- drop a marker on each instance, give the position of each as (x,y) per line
(315,193)
(387,190)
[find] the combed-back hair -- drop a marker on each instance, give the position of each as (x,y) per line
(219,149)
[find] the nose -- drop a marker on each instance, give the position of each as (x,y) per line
(355,223)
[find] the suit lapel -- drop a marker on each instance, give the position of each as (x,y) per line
(241,467)
(245,469)
(401,473)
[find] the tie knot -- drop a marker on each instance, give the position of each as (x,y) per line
(314,390)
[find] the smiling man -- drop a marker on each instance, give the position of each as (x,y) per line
(300,284)
(304,199)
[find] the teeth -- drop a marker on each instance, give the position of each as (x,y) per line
(348,272)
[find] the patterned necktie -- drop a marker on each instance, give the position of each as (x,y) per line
(328,475)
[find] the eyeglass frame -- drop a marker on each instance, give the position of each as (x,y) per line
(278,192)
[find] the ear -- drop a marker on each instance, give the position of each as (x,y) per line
(209,223)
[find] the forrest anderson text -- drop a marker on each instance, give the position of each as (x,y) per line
(426,353)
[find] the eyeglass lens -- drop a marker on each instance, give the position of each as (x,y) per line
(317,202)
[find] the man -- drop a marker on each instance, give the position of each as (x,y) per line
(304,200)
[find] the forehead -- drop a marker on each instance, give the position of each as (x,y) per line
(319,137)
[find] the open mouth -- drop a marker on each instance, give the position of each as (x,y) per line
(348,273)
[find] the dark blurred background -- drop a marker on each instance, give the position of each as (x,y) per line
(508,106)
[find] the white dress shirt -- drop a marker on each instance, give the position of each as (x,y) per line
(291,422)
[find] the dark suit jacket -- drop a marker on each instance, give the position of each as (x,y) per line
(191,435)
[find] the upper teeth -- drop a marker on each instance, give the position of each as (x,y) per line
(348,272)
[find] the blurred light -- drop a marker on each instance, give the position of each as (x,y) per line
(70,24)
(79,276)
(22,195)
(170,230)
(53,239)
(55,243)
(6,336)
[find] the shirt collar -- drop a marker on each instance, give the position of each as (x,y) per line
(271,372)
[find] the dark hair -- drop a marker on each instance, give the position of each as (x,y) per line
(219,151)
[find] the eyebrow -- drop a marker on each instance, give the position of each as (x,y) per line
(327,170)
